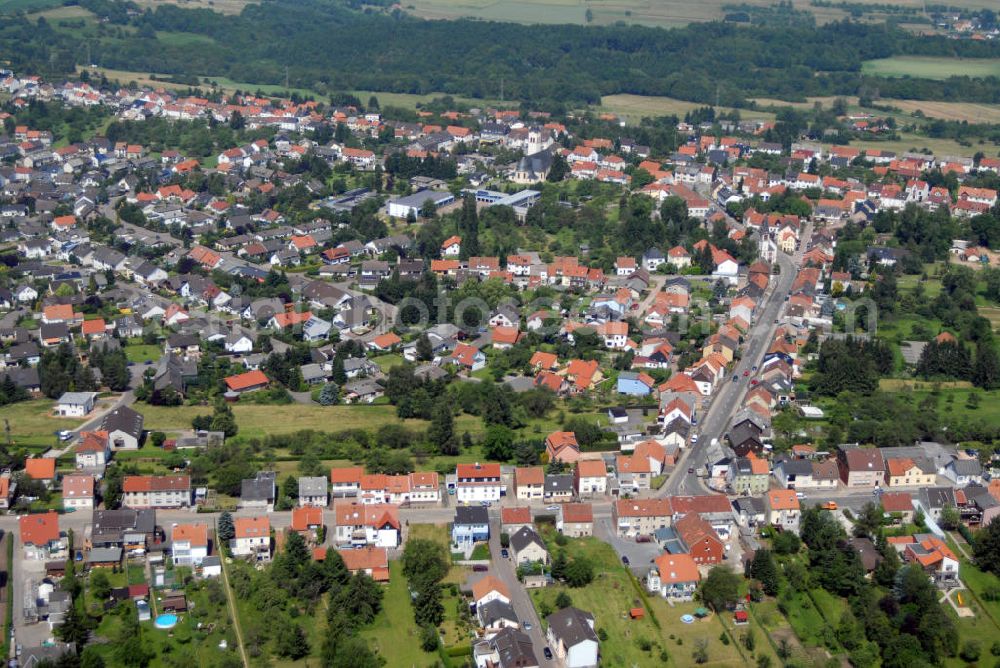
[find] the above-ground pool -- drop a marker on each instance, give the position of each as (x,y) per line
(166,621)
(687,619)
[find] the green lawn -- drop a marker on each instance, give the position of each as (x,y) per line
(386,362)
(140,353)
(610,597)
(32,425)
(931,68)
(394,633)
(952,404)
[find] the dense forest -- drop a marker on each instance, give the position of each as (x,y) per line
(328,46)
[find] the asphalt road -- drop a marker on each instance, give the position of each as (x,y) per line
(728,399)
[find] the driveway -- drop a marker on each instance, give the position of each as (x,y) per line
(505,571)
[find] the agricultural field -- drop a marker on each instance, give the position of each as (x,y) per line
(932,68)
(662,13)
(948,111)
(220,6)
(13,6)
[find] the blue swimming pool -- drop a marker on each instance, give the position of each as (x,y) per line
(166,621)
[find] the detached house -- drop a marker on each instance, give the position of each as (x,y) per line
(40,536)
(783,510)
(572,637)
(528,547)
(561,446)
(471,525)
(360,525)
(189,544)
(252,538)
(674,576)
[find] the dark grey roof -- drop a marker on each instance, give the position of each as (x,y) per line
(123,419)
(471,515)
(514,648)
(524,537)
(496,610)
(559,483)
(572,626)
(259,488)
(796,467)
(966,467)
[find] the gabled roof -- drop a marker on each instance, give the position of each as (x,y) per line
(677,568)
(196,534)
(488,584)
(38,468)
(39,529)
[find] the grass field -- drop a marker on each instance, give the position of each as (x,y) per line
(638,106)
(931,68)
(610,597)
(949,111)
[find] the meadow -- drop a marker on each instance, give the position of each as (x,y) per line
(931,68)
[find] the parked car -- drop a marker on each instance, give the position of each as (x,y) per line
(625,559)
(527,626)
(548,653)
(480,568)
(829,505)
(505,553)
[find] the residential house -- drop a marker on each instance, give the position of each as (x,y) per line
(370,560)
(346,481)
(259,493)
(748,475)
(149,491)
(75,404)
(590,478)
(527,547)
(674,576)
(374,524)
(561,446)
(640,517)
(313,491)
(477,483)
(189,544)
(899,506)
(783,510)
(529,482)
(575,520)
(252,538)
(572,638)
(307,521)
(860,467)
(701,540)
(124,428)
(78,492)
(41,539)
(41,469)
(964,472)
(558,488)
(471,525)
(907,472)
(250,381)
(512,518)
